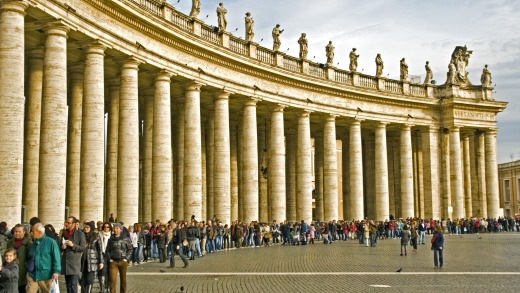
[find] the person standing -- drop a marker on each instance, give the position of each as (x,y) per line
(72,246)
(438,247)
(20,243)
(43,261)
(414,236)
(176,242)
(119,250)
(92,258)
(405,238)
(9,272)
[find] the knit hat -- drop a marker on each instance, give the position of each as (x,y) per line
(117,225)
(91,225)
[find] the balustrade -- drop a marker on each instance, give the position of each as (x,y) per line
(393,86)
(265,55)
(342,76)
(316,70)
(292,63)
(237,45)
(367,81)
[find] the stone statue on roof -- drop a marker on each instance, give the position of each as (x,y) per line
(404,70)
(221,15)
(304,46)
(276,37)
(195,8)
(429,74)
(485,78)
(353,60)
(460,58)
(329,50)
(379,65)
(250,30)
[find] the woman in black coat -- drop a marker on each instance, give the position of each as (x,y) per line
(92,259)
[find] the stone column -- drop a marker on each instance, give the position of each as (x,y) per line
(250,162)
(33,116)
(475,201)
(467,177)
(263,158)
(112,141)
(481,174)
(445,180)
(382,204)
(345,174)
(162,148)
(128,145)
(318,176)
(276,165)
(222,171)
(210,146)
(147,164)
(179,162)
(407,197)
(74,139)
(330,170)
(12,103)
(457,192)
(92,171)
(53,149)
(290,171)
(204,203)
(304,169)
(192,153)
(369,172)
(356,205)
(492,194)
(432,202)
(233,170)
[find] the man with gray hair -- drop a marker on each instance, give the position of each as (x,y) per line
(43,261)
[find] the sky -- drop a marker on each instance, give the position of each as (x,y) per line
(419,31)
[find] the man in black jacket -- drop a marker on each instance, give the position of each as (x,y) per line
(192,234)
(119,250)
(176,242)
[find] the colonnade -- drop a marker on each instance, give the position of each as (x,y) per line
(97,144)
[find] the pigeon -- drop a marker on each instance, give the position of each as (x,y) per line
(162,271)
(479,237)
(399,270)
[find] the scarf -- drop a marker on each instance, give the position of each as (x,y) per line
(67,234)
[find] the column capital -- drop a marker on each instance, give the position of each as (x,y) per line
(60,27)
(492,131)
(454,128)
(356,121)
(131,62)
(223,94)
(406,127)
(278,108)
(252,101)
(330,117)
(381,124)
(164,75)
(194,85)
(14,5)
(304,113)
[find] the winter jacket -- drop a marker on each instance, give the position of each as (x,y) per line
(71,256)
(119,248)
(47,258)
(93,255)
(21,255)
(9,278)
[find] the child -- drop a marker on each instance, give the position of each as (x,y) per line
(9,272)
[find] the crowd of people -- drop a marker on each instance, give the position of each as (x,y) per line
(86,252)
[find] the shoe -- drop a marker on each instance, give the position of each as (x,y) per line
(405,254)
(185,265)
(436,267)
(401,254)
(169,267)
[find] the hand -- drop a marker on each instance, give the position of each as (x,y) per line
(55,276)
(440,248)
(69,243)
(125,260)
(111,261)
(100,266)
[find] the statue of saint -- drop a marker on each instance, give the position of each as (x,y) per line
(250,30)
(429,74)
(485,79)
(353,60)
(452,71)
(329,50)
(195,8)
(304,46)
(460,58)
(379,65)
(221,15)
(276,37)
(404,70)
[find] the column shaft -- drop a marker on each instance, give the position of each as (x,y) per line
(12,102)
(431,174)
(291,174)
(128,145)
(381,170)
(492,194)
(407,197)
(467,177)
(250,162)
(162,149)
(112,141)
(457,192)
(92,171)
(481,174)
(233,171)
(192,153)
(445,180)
(304,169)
(263,181)
(222,171)
(318,176)
(345,173)
(330,170)
(179,156)
(356,205)
(276,167)
(147,173)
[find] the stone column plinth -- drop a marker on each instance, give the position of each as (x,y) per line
(304,169)
(250,166)
(32,130)
(192,153)
(457,192)
(276,165)
(222,171)
(162,149)
(92,171)
(492,194)
(53,149)
(356,205)
(407,196)
(112,142)
(128,144)
(382,206)
(330,170)
(12,101)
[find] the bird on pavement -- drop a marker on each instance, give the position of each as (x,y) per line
(399,270)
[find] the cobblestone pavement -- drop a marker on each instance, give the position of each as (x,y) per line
(472,263)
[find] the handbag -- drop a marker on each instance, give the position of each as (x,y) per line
(55,288)
(30,264)
(184,242)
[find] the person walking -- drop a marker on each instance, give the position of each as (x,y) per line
(119,250)
(438,247)
(92,258)
(72,246)
(43,261)
(405,238)
(176,242)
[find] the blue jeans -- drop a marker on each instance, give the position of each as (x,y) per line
(154,253)
(210,245)
(137,255)
(440,261)
(172,256)
(422,236)
(197,247)
(72,283)
(219,242)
